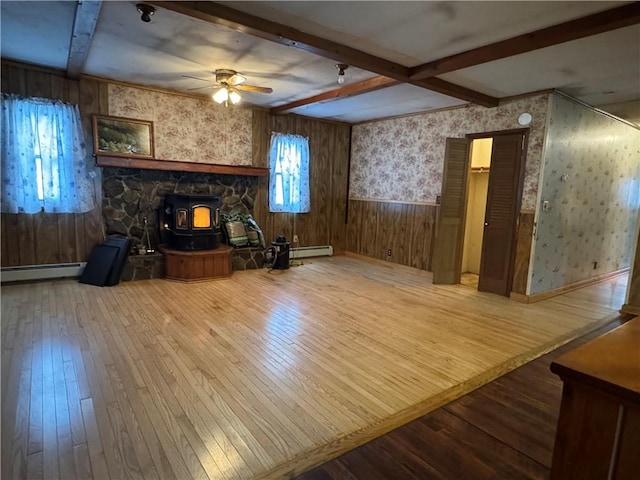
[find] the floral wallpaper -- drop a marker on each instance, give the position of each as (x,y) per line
(185,128)
(402,159)
(589,199)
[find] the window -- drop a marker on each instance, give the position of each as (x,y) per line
(289,174)
(43,157)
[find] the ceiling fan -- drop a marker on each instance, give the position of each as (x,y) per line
(229,82)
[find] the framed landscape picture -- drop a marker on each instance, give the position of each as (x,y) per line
(122,137)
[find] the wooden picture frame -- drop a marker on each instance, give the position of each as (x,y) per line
(122,137)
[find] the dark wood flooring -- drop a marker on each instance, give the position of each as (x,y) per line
(503,430)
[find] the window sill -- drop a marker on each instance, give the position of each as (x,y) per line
(147,164)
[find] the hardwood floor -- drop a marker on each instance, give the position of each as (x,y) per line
(503,430)
(469,280)
(257,376)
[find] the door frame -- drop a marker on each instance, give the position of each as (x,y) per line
(516,221)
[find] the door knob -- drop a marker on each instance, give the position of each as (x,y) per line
(486,224)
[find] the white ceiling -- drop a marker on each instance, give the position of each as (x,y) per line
(602,70)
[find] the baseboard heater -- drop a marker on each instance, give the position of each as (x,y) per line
(41,272)
(306,252)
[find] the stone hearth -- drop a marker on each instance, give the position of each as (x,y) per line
(247,258)
(143,267)
(131,195)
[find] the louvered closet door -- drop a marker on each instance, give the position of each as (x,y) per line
(503,199)
(447,253)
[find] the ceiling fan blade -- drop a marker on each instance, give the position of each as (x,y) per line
(236,79)
(253,88)
(196,78)
(204,88)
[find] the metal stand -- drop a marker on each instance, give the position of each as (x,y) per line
(146,234)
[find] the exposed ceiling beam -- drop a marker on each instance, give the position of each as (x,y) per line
(378,83)
(84,26)
(259,27)
(457,91)
(601,22)
(423,75)
(358,88)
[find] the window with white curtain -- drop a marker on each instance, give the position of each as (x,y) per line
(43,157)
(289,173)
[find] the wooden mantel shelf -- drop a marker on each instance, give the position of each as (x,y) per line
(147,164)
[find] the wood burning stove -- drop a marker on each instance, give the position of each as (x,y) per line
(190,221)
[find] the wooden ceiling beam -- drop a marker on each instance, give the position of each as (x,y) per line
(353,89)
(456,91)
(601,22)
(378,83)
(217,14)
(84,26)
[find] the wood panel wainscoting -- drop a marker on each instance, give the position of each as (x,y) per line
(257,376)
(46,238)
(49,238)
(408,230)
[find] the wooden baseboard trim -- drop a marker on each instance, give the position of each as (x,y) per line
(365,258)
(630,309)
(319,455)
(519,297)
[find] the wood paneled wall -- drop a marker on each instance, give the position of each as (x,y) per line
(407,229)
(46,238)
(329,144)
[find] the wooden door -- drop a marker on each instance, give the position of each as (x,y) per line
(503,203)
(447,253)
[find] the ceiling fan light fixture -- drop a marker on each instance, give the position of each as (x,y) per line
(221,95)
(341,68)
(234,97)
(226,95)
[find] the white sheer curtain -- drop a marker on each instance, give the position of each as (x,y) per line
(289,174)
(43,157)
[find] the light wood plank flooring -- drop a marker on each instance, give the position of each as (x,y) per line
(469,279)
(504,430)
(258,376)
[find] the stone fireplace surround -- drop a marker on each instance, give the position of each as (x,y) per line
(130,195)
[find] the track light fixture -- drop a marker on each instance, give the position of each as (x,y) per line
(341,68)
(146,11)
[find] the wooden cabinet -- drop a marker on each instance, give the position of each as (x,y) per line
(189,266)
(598,435)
